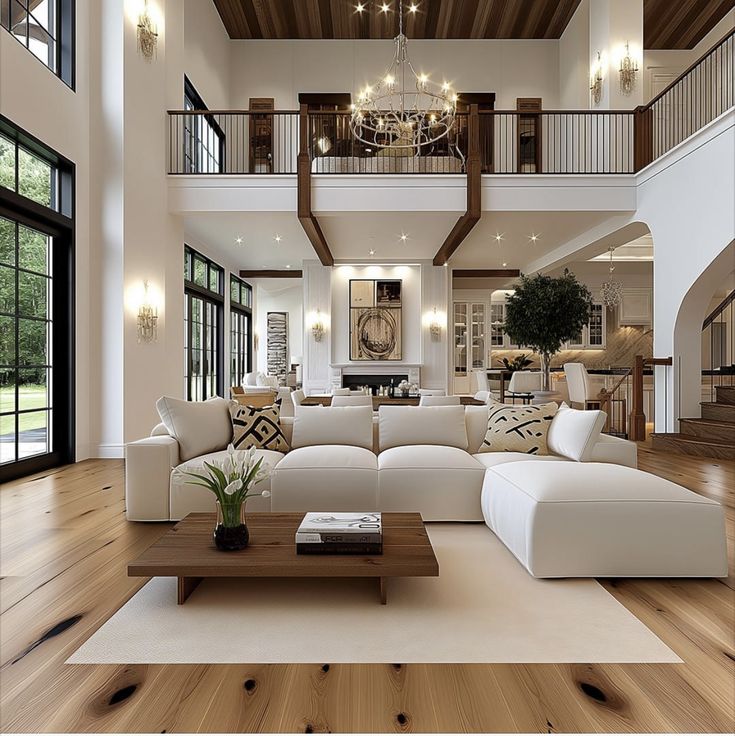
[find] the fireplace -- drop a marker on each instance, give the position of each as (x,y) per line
(354,380)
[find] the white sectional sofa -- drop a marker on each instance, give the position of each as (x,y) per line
(547,509)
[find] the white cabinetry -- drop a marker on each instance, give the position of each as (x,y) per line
(635,307)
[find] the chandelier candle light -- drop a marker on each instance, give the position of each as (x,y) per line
(404,110)
(611,290)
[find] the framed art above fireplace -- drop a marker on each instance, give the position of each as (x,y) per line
(375,319)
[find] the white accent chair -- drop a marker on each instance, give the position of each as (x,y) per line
(357,400)
(583,392)
(341,392)
(524,383)
(482,385)
(297,397)
(439,401)
(432,392)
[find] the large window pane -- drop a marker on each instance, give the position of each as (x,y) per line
(32,342)
(32,389)
(35,178)
(7,163)
(33,250)
(7,290)
(32,290)
(33,433)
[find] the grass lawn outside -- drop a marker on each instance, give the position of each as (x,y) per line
(32,396)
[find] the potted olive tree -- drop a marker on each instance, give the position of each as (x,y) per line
(545,312)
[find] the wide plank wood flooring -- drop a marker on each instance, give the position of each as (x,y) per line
(65,545)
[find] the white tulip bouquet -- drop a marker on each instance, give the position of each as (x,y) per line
(230,479)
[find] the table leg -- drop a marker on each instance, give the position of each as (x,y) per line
(383,583)
(185,588)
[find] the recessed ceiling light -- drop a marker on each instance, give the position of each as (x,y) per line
(534,237)
(288,265)
(404,237)
(359,8)
(238,241)
(504,265)
(384,8)
(412,8)
(499,237)
(371,252)
(277,238)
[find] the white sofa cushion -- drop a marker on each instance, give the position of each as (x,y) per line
(422,425)
(326,478)
(475,418)
(333,425)
(187,498)
(518,428)
(198,426)
(602,520)
(441,483)
(491,459)
(574,433)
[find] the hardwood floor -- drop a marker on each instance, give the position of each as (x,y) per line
(65,547)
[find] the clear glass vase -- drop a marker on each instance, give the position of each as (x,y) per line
(231,531)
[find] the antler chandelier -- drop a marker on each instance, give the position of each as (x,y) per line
(611,291)
(404,109)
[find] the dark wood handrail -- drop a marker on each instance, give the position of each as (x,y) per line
(718,309)
(689,69)
(637,415)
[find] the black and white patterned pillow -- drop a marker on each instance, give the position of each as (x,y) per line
(518,428)
(257,427)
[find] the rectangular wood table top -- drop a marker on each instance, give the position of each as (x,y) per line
(188,552)
(379,401)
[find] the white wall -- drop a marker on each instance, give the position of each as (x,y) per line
(278,295)
(574,55)
(282,69)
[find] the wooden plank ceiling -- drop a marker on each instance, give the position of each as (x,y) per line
(669,24)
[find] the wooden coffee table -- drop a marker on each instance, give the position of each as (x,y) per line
(187,552)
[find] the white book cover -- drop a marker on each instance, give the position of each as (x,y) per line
(341,523)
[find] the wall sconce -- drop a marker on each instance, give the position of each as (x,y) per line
(596,80)
(147,34)
(317,327)
(628,71)
(435,327)
(147,318)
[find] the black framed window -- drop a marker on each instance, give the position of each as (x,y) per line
(36,306)
(204,282)
(46,29)
(241,329)
(204,139)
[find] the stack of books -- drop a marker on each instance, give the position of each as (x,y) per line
(340,534)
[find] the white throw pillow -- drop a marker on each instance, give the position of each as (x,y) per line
(198,426)
(518,428)
(574,433)
(422,425)
(333,425)
(476,422)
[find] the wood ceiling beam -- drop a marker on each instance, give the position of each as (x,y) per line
(303,178)
(270,273)
(472,216)
(486,273)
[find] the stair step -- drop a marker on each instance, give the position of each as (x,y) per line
(725,395)
(682,444)
(718,412)
(709,429)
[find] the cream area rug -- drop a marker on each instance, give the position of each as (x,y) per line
(483,607)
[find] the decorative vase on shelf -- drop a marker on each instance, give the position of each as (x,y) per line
(231,530)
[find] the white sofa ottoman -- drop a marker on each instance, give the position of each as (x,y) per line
(326,478)
(602,520)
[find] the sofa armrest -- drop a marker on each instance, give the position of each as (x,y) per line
(616,450)
(148,465)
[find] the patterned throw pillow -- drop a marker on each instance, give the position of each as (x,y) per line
(257,427)
(518,428)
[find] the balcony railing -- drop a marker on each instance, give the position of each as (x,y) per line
(510,142)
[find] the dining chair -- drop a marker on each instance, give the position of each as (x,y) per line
(522,384)
(358,400)
(439,401)
(482,386)
(583,393)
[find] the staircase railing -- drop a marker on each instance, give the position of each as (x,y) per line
(614,402)
(718,333)
(637,424)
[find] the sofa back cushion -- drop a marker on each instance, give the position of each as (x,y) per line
(333,425)
(422,425)
(518,428)
(574,433)
(475,418)
(198,426)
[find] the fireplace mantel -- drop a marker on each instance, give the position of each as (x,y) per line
(374,367)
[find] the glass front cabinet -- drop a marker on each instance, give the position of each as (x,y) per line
(469,343)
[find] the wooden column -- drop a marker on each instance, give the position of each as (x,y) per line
(474,193)
(637,417)
(303,171)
